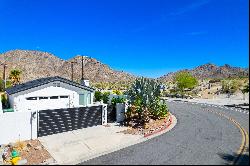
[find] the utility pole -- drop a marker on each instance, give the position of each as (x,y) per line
(4,75)
(72,70)
(82,69)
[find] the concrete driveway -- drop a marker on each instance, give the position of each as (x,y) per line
(75,146)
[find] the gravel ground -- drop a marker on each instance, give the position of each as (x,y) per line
(200,137)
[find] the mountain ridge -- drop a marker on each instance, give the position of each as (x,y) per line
(37,64)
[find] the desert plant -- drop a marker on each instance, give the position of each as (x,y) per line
(117,100)
(144,96)
(245,90)
(230,86)
(98,96)
(117,92)
(105,97)
(4,101)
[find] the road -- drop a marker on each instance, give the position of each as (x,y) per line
(200,137)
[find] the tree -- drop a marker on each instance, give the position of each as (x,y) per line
(15,76)
(185,80)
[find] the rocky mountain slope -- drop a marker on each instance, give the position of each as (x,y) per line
(37,64)
(211,71)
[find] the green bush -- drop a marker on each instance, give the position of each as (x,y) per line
(4,101)
(98,96)
(117,100)
(8,85)
(105,97)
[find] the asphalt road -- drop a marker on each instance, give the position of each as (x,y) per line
(200,137)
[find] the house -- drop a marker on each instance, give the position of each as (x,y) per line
(49,93)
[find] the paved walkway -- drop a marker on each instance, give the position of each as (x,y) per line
(80,145)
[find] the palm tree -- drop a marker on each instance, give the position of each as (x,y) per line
(15,76)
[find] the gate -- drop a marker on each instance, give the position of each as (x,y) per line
(68,119)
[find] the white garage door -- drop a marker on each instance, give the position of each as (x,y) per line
(51,102)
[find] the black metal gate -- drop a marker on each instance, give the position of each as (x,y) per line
(63,120)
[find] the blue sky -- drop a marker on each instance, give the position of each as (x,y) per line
(144,37)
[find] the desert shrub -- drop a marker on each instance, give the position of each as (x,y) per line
(117,100)
(230,86)
(98,96)
(117,92)
(105,97)
(4,101)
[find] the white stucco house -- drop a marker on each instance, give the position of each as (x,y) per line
(49,93)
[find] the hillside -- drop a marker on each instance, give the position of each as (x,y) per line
(37,64)
(210,71)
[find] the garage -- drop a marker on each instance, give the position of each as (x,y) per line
(48,94)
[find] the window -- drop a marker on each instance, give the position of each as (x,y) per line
(82,99)
(42,98)
(31,98)
(89,98)
(64,97)
(54,97)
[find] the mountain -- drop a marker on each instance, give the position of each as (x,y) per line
(210,70)
(38,64)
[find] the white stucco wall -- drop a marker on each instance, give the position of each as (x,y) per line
(16,126)
(22,104)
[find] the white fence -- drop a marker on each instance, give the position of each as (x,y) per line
(15,126)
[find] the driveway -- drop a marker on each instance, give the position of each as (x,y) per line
(75,146)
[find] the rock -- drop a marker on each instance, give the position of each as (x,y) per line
(38,148)
(29,145)
(11,145)
(48,161)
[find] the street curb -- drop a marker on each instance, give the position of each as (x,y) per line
(164,126)
(119,147)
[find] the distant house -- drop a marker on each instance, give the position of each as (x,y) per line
(49,93)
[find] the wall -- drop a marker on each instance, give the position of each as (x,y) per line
(17,125)
(21,126)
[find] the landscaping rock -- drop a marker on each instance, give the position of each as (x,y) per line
(38,148)
(11,145)
(29,145)
(48,161)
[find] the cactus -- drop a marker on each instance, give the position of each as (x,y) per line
(144,94)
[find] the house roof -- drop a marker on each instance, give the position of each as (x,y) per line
(43,81)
